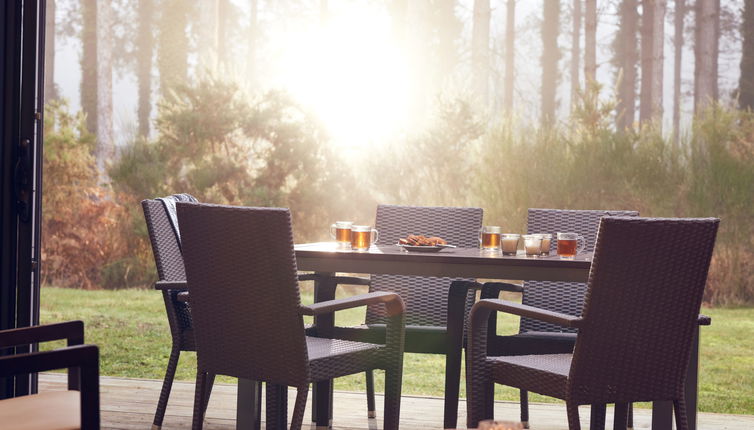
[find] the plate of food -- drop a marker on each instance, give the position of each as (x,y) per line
(421,243)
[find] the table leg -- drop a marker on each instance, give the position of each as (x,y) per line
(324,289)
(248,405)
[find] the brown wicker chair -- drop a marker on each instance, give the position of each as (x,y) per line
(538,337)
(248,319)
(635,333)
(164,236)
(76,408)
(435,311)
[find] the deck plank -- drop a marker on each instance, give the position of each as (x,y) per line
(128,404)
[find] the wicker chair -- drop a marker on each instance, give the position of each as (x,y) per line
(538,337)
(166,247)
(78,407)
(253,326)
(435,312)
(635,333)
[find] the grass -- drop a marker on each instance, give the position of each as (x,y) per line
(131,330)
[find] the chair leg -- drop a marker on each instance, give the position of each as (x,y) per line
(597,421)
(276,406)
(371,409)
(393,380)
(167,384)
(323,397)
(681,417)
(573,416)
(208,389)
(524,396)
(298,408)
(620,418)
(452,387)
(630,424)
(200,393)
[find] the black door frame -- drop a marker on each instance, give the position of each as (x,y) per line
(21,124)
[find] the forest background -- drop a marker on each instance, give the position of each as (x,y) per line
(331,107)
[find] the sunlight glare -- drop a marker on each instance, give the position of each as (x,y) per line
(351,74)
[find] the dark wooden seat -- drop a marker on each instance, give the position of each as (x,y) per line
(73,409)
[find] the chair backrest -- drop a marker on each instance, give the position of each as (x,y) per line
(241,274)
(426,298)
(645,291)
(565,297)
(168,259)
(165,245)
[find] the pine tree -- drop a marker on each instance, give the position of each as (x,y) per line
(590,41)
(625,60)
(707,14)
(88,87)
(480,49)
(550,58)
(510,38)
(746,82)
(680,15)
(49,86)
(172,49)
(652,57)
(575,52)
(144,49)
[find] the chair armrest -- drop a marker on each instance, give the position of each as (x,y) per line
(392,301)
(70,356)
(491,290)
(73,331)
(704,320)
(170,285)
(530,312)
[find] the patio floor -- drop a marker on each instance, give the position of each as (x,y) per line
(130,403)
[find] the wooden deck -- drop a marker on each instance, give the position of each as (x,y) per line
(130,403)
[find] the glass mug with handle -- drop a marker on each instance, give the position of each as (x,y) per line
(341,232)
(568,245)
(362,237)
(489,238)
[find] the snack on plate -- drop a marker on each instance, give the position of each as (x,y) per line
(419,240)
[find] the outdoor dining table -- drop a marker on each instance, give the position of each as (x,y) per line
(325,259)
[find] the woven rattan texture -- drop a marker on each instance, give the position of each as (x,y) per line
(645,291)
(241,274)
(546,374)
(646,286)
(426,298)
(249,323)
(169,261)
(565,297)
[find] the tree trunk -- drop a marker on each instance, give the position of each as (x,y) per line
(88,87)
(172,59)
(480,49)
(746,82)
(510,55)
(652,56)
(626,57)
(253,40)
(705,79)
(209,36)
(105,149)
(50,90)
(590,41)
(550,57)
(575,53)
(144,43)
(680,15)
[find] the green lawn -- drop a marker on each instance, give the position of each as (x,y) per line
(131,330)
